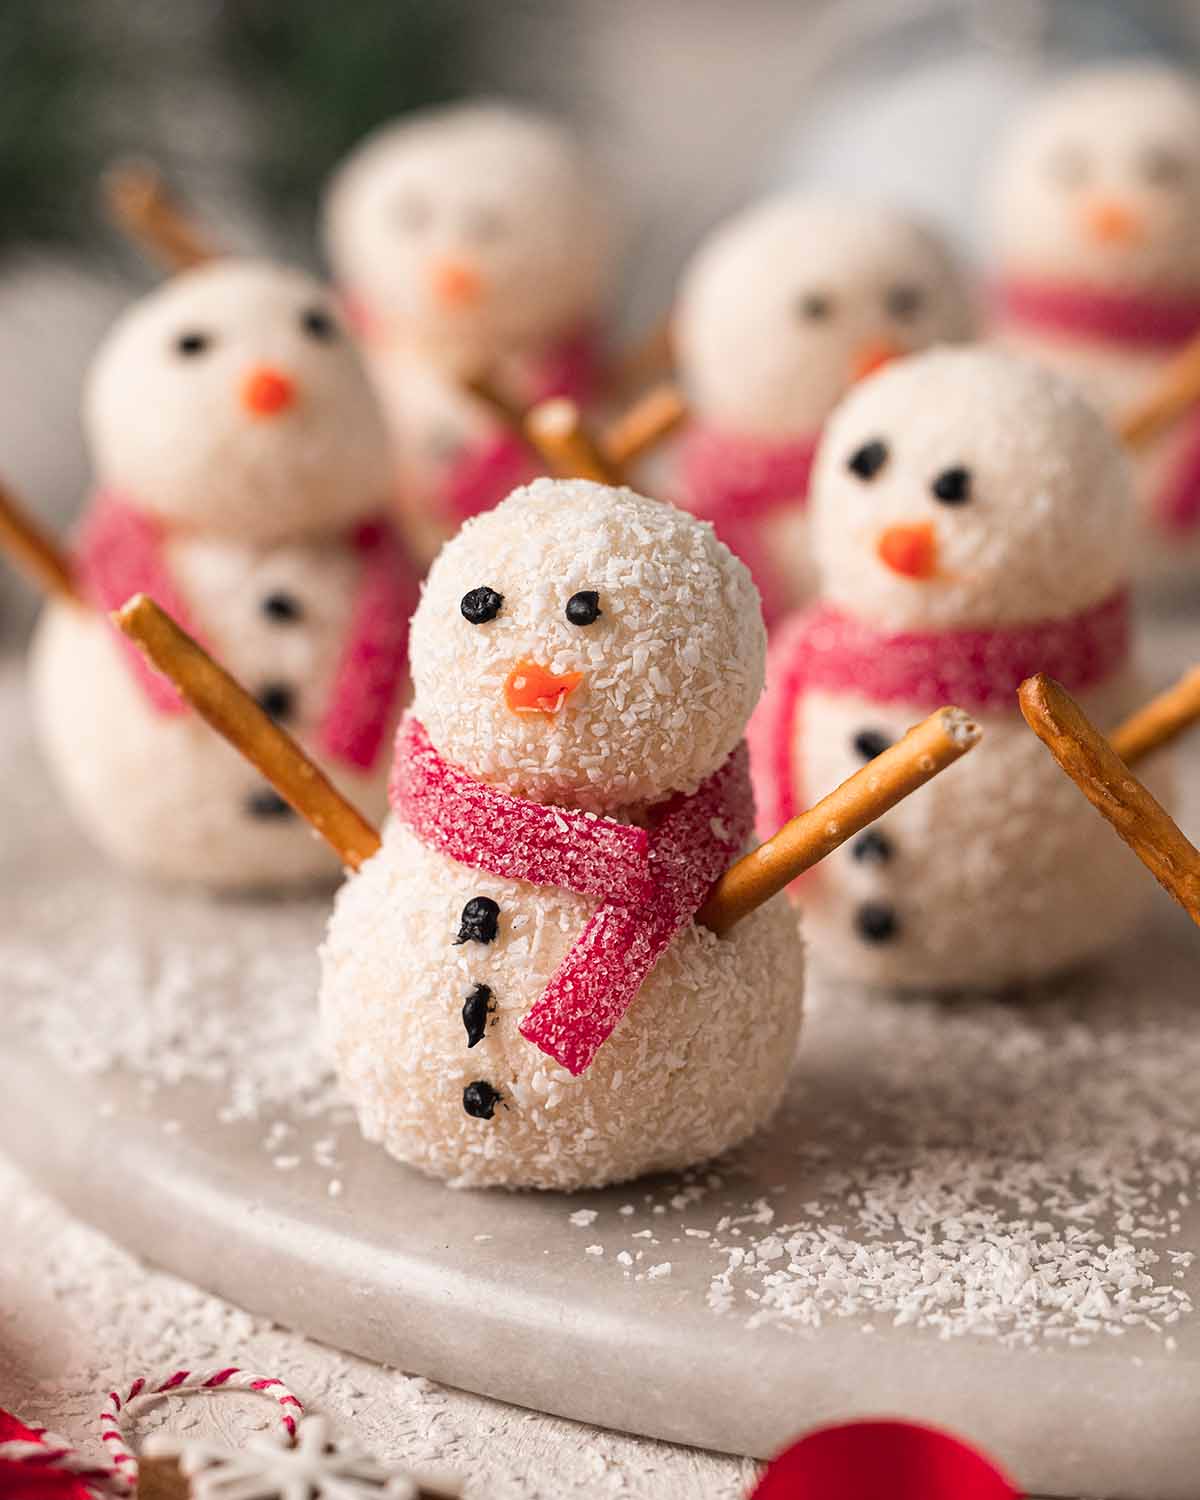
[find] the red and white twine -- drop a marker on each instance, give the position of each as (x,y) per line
(118,1478)
(123,1476)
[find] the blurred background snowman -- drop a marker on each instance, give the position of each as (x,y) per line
(691,108)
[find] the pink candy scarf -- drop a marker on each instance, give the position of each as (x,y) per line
(736,482)
(122,551)
(1131,321)
(824,649)
(650,883)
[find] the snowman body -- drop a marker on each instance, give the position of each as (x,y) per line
(162,793)
(433,962)
(972,519)
(988,885)
(247,503)
(697,1064)
(780,312)
(1095,208)
(469,242)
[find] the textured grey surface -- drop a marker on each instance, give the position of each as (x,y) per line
(163,1082)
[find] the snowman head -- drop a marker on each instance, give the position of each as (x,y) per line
(587,646)
(1100,183)
(230,400)
(790,303)
(966,487)
(477,225)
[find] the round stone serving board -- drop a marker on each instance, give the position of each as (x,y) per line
(979,1214)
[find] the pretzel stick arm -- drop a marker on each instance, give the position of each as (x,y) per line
(141,206)
(224,703)
(926,750)
(1160,721)
(644,425)
(485,390)
(35,551)
(1176,390)
(556,429)
(1109,785)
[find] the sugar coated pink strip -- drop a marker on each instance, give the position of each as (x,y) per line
(1090,313)
(374,658)
(737,482)
(121,551)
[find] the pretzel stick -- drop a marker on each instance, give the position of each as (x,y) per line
(649,359)
(1158,722)
(35,551)
(1174,392)
(556,430)
(1109,785)
(228,707)
(644,425)
(506,411)
(930,747)
(141,206)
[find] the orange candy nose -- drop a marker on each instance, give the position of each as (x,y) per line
(530,689)
(909,550)
(1111,221)
(872,356)
(266,391)
(456,283)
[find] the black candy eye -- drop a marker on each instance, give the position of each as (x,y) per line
(815,307)
(583,608)
(952,486)
(1068,166)
(1162,166)
(904,301)
(193,343)
(318,324)
(481,605)
(867,461)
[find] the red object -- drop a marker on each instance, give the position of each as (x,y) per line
(24,1481)
(910,551)
(266,392)
(485,475)
(883,1461)
(738,483)
(649,882)
(121,551)
(1120,320)
(825,649)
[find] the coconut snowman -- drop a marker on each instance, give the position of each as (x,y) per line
(1095,214)
(782,310)
(469,242)
(972,523)
(242,469)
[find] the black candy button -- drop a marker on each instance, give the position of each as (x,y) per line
(480,1100)
(868,743)
(276,699)
(282,607)
(476,1008)
(952,486)
(479,922)
(480,605)
(876,922)
(268,804)
(872,848)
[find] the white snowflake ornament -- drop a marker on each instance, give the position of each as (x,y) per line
(316,1466)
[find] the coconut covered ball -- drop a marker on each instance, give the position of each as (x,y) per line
(470,228)
(1099,183)
(792,301)
(582,656)
(586,645)
(972,517)
(231,401)
(969,487)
